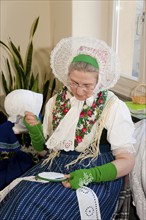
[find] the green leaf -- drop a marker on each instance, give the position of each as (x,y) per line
(26,82)
(5,46)
(31,81)
(35,86)
(17,53)
(29,59)
(19,75)
(14,84)
(5,86)
(10,75)
(34,27)
(17,68)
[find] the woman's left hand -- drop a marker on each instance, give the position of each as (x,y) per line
(66,182)
(31,119)
(82,177)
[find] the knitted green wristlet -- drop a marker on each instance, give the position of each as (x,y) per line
(36,135)
(79,178)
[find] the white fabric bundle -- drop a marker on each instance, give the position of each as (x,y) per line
(19,101)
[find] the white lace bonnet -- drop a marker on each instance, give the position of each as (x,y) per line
(68,48)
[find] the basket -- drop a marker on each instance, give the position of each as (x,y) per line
(136,98)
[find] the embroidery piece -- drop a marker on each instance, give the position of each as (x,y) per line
(89,211)
(62,106)
(89,116)
(87,178)
(88,204)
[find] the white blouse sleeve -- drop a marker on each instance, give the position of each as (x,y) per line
(120,128)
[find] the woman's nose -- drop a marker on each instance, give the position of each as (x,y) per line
(80,90)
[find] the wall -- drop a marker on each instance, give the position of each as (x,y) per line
(61,20)
(16,20)
(58,19)
(91,18)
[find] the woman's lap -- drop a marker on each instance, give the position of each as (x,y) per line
(33,200)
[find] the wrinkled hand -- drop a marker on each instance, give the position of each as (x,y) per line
(83,177)
(66,182)
(79,178)
(31,119)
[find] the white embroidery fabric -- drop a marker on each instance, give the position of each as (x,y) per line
(63,136)
(68,48)
(88,204)
(19,101)
(117,114)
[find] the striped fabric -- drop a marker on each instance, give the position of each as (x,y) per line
(8,140)
(51,201)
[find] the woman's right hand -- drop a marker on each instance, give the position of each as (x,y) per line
(31,119)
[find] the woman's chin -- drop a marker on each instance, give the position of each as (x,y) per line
(80,98)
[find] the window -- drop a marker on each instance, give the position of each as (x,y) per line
(128,39)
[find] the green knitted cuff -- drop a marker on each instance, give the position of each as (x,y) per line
(106,172)
(33,129)
(36,135)
(83,177)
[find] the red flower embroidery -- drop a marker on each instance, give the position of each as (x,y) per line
(94,105)
(54,117)
(84,130)
(82,114)
(63,95)
(100,94)
(78,139)
(100,101)
(64,104)
(89,113)
(65,110)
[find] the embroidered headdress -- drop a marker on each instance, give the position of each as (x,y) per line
(69,48)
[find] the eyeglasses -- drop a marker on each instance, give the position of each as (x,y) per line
(86,87)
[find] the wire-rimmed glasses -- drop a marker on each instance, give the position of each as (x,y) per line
(85,87)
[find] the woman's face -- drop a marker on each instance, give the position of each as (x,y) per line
(82,84)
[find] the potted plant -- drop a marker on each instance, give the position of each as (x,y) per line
(19,71)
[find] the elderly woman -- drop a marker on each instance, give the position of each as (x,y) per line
(87,134)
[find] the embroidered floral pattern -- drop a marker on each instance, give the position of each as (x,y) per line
(87,178)
(88,115)
(89,211)
(62,106)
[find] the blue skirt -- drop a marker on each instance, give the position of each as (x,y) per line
(13,161)
(52,201)
(14,167)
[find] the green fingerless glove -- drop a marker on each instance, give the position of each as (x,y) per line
(83,177)
(36,135)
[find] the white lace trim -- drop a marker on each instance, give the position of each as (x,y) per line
(88,204)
